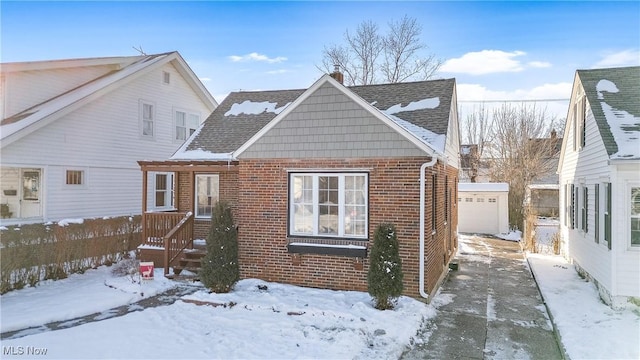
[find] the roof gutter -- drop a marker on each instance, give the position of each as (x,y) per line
(423,169)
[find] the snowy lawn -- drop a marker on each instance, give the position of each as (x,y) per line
(257,320)
(78,295)
(588,328)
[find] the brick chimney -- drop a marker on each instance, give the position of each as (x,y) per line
(336,74)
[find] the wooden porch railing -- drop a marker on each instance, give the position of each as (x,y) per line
(177,240)
(155,225)
(171,231)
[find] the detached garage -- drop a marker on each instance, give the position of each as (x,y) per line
(483,208)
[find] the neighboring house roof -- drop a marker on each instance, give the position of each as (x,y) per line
(614,96)
(420,110)
(483,187)
(35,117)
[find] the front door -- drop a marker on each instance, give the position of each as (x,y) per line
(31,197)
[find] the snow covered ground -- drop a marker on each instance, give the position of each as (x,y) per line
(269,320)
(257,320)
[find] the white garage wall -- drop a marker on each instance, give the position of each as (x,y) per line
(483,208)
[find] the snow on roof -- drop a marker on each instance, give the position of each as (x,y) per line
(435,141)
(544,186)
(430,103)
(254,108)
(623,126)
(200,154)
(483,187)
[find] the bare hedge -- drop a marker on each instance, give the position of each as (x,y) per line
(35,252)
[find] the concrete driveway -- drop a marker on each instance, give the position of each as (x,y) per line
(491,308)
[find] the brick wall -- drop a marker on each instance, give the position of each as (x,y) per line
(228,191)
(394,188)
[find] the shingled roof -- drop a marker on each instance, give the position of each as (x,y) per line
(614,96)
(226,130)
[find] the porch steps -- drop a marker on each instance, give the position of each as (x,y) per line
(190,261)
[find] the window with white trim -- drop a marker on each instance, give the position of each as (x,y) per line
(492,200)
(75,177)
(328,204)
(147,118)
(207,194)
(166,77)
(163,191)
(607,213)
(635,217)
(186,124)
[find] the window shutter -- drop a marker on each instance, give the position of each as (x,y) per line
(596,211)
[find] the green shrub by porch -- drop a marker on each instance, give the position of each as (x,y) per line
(384,278)
(220,270)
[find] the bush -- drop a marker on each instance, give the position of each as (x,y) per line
(35,252)
(220,270)
(384,278)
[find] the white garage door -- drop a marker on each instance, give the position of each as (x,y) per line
(478,214)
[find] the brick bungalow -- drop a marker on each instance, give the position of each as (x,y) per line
(310,173)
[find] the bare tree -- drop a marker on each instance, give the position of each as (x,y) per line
(367,57)
(520,152)
(401,53)
(477,131)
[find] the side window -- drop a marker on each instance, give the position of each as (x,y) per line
(186,124)
(147,119)
(163,189)
(207,194)
(75,177)
(635,216)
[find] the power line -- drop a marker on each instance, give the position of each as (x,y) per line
(510,101)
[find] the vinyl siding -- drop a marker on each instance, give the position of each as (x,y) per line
(627,259)
(452,145)
(50,83)
(330,125)
(617,269)
(585,167)
(104,138)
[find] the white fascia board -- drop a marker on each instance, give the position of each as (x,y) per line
(69,105)
(120,61)
(192,79)
(567,122)
(350,94)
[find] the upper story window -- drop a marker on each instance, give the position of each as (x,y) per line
(579,122)
(328,204)
(186,124)
(166,77)
(75,177)
(207,194)
(147,118)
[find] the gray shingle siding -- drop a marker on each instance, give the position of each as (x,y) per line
(330,125)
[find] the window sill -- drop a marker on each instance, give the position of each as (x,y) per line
(328,249)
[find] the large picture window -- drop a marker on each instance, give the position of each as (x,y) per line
(207,189)
(331,205)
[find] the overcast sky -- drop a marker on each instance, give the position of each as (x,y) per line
(495,50)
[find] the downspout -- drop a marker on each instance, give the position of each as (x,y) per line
(423,169)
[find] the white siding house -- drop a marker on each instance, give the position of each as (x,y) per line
(72,131)
(599,173)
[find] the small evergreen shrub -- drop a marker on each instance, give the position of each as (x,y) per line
(384,279)
(220,270)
